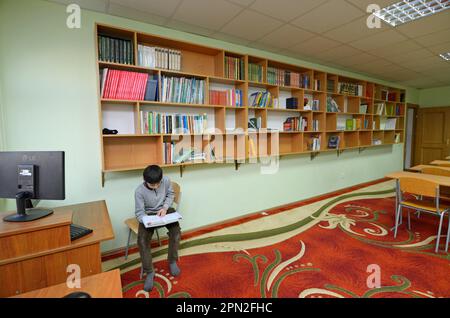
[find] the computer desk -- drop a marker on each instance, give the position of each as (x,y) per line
(37,254)
(103,285)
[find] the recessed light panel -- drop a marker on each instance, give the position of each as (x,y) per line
(410,10)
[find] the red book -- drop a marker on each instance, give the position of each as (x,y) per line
(134,83)
(107,84)
(114,84)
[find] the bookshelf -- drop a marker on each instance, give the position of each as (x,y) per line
(214,94)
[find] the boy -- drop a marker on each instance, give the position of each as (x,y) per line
(155,196)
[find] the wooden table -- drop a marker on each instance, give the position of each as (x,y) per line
(442,163)
(104,285)
(419,168)
(448,158)
(36,254)
(441,180)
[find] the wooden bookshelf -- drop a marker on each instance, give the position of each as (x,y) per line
(132,149)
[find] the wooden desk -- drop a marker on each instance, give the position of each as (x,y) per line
(441,163)
(441,180)
(447,158)
(36,254)
(104,285)
(419,168)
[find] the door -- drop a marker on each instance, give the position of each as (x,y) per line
(432,135)
(410,140)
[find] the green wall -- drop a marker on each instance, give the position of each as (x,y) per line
(435,97)
(48,79)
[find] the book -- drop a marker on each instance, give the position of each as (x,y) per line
(115,50)
(154,220)
(292,103)
(255,123)
(363,108)
(332,106)
(333,142)
(151,91)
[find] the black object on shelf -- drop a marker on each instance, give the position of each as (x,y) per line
(107,131)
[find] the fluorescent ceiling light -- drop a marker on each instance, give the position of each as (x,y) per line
(445,56)
(410,10)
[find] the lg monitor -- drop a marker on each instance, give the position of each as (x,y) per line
(31,175)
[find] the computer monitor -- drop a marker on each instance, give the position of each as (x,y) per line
(31,175)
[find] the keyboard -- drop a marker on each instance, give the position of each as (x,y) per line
(78,231)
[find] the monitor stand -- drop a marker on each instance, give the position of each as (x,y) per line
(26,215)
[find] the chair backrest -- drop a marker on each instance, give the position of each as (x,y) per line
(176,188)
(419,186)
(437,171)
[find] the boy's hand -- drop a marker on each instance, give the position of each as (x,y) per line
(162,213)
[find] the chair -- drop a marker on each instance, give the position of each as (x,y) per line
(425,188)
(438,171)
(133,224)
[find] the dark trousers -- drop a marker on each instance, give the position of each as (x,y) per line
(145,237)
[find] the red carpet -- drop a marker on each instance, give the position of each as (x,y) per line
(329,260)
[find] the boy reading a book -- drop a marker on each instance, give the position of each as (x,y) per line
(155,196)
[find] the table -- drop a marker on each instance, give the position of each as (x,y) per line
(104,285)
(36,254)
(443,163)
(441,180)
(419,168)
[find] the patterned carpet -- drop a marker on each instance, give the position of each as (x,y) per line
(330,248)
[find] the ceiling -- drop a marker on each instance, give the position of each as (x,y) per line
(329,32)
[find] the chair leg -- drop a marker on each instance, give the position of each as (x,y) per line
(128,244)
(438,239)
(409,221)
(448,233)
(157,235)
(141,275)
(397,217)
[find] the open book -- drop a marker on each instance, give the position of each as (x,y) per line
(154,220)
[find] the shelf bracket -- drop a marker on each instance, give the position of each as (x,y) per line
(237,165)
(314,155)
(340,151)
(103,179)
(361,149)
(181,170)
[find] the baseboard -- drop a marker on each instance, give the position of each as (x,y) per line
(120,252)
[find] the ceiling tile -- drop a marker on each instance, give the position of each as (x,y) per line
(251,25)
(315,45)
(356,59)
(164,8)
(434,38)
(403,47)
(441,48)
(328,16)
(286,36)
(338,53)
(244,3)
(285,10)
(415,55)
(265,47)
(434,23)
(353,31)
(382,39)
(134,14)
(363,4)
(186,27)
(208,14)
(422,64)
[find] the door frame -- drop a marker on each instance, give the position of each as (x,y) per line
(413,140)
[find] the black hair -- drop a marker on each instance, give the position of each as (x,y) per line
(153,174)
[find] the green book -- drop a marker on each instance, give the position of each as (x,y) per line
(349,124)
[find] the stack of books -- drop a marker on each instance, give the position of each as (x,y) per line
(295,124)
(350,89)
(315,125)
(254,123)
(255,73)
(317,85)
(314,143)
(330,86)
(332,106)
(363,108)
(158,57)
(182,90)
(229,97)
(380,108)
(114,50)
(172,156)
(234,68)
(262,99)
(283,77)
(353,124)
(125,85)
(164,123)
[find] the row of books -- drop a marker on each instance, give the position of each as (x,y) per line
(295,124)
(317,85)
(127,85)
(314,143)
(388,109)
(332,106)
(350,89)
(158,57)
(229,97)
(282,77)
(261,99)
(115,50)
(388,123)
(255,72)
(356,124)
(234,68)
(309,103)
(182,90)
(173,155)
(164,123)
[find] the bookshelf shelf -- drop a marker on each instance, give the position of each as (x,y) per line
(130,52)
